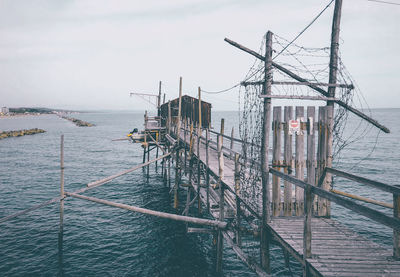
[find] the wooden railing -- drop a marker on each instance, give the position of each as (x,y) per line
(377,216)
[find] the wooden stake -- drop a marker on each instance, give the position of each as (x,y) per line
(220,242)
(62,184)
(198,155)
(207,168)
(177,180)
(232,132)
(310,180)
(178,124)
(266,216)
(159,100)
(299,163)
(169,118)
(237,191)
(276,161)
(396,233)
(287,195)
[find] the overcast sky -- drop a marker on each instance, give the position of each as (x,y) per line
(90,54)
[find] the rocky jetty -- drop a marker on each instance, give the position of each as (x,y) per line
(20,133)
(78,122)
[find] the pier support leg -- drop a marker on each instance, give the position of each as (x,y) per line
(266,213)
(177,180)
(148,159)
(61,229)
(62,183)
(396,233)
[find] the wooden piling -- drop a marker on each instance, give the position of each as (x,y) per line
(237,192)
(177,180)
(220,243)
(287,194)
(62,194)
(322,143)
(178,124)
(299,163)
(311,180)
(169,167)
(198,156)
(396,233)
(266,215)
(184,136)
(169,118)
(207,168)
(232,141)
(276,161)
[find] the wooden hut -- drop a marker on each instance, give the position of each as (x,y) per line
(189,112)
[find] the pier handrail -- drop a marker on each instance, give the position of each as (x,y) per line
(362,180)
(377,216)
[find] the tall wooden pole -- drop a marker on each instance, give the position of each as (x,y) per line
(178,124)
(177,161)
(62,183)
(198,155)
(159,100)
(333,68)
(266,216)
(220,239)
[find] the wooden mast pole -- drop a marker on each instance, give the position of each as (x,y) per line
(333,68)
(266,217)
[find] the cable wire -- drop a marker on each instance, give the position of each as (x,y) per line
(304,30)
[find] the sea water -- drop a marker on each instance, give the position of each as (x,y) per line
(104,241)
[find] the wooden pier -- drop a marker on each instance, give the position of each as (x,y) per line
(289,203)
(333,249)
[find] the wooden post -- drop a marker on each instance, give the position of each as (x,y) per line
(159,100)
(178,124)
(62,194)
(299,163)
(396,233)
(169,117)
(276,161)
(266,216)
(220,242)
(322,143)
(198,156)
(237,191)
(177,180)
(333,68)
(169,167)
(232,133)
(157,157)
(310,180)
(327,185)
(148,159)
(287,194)
(207,168)
(184,137)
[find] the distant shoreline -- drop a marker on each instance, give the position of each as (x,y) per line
(22,115)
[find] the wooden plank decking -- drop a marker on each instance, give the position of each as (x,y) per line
(336,250)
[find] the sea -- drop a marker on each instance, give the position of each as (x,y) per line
(98,240)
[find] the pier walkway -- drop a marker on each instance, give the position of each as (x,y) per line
(336,250)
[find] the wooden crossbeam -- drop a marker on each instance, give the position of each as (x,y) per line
(189,219)
(316,88)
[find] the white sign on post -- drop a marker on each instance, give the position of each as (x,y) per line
(294,127)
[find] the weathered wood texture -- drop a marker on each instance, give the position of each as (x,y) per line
(337,251)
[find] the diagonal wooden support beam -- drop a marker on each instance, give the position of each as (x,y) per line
(320,90)
(189,219)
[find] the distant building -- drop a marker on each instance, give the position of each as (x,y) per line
(4,110)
